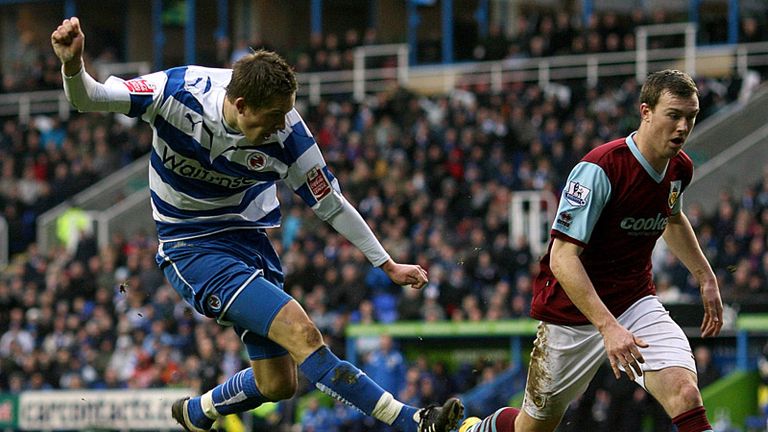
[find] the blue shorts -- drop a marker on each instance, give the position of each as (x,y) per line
(234,277)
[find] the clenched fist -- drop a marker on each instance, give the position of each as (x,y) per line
(68,41)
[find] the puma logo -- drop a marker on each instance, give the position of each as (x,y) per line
(188,116)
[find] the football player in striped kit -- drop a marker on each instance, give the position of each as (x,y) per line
(595,295)
(222,139)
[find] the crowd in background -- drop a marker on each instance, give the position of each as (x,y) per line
(562,33)
(535,34)
(432,175)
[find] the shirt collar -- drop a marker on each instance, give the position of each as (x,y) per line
(658,177)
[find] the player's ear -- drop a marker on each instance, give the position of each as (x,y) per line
(240,105)
(645,112)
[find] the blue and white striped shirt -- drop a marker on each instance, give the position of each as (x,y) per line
(204,177)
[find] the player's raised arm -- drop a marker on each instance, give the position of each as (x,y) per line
(84,92)
(68,41)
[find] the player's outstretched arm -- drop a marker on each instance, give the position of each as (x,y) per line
(68,41)
(681,240)
(84,92)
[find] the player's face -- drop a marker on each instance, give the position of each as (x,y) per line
(259,123)
(670,123)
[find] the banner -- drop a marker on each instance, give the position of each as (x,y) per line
(8,411)
(107,409)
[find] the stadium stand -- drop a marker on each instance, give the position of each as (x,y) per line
(432,174)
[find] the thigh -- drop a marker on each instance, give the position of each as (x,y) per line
(252,311)
(668,346)
(209,273)
(563,362)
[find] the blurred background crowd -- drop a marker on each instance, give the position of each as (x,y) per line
(537,34)
(433,175)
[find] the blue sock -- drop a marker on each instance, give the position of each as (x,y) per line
(237,394)
(345,382)
(196,415)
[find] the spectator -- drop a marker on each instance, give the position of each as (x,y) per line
(386,365)
(706,370)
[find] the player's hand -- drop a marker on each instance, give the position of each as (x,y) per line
(68,41)
(713,309)
(406,274)
(622,348)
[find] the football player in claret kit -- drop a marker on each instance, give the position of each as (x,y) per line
(595,294)
(222,138)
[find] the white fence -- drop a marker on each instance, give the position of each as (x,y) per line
(362,80)
(716,60)
(104,204)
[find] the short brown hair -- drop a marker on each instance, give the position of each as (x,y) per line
(260,76)
(678,83)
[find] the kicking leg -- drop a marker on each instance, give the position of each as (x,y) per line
(293,329)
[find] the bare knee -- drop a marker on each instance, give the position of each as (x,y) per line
(688,397)
(278,389)
(675,389)
(293,329)
(276,379)
(307,339)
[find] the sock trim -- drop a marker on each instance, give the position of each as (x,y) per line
(206,402)
(693,418)
(387,408)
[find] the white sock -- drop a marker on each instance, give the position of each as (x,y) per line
(206,402)
(387,408)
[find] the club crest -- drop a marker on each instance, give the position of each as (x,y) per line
(674,192)
(214,303)
(257,161)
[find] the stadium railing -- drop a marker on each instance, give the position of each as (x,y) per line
(512,330)
(715,60)
(120,202)
(720,60)
(730,123)
(27,104)
(738,166)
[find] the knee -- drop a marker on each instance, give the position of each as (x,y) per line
(305,338)
(293,329)
(307,335)
(278,387)
(689,396)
